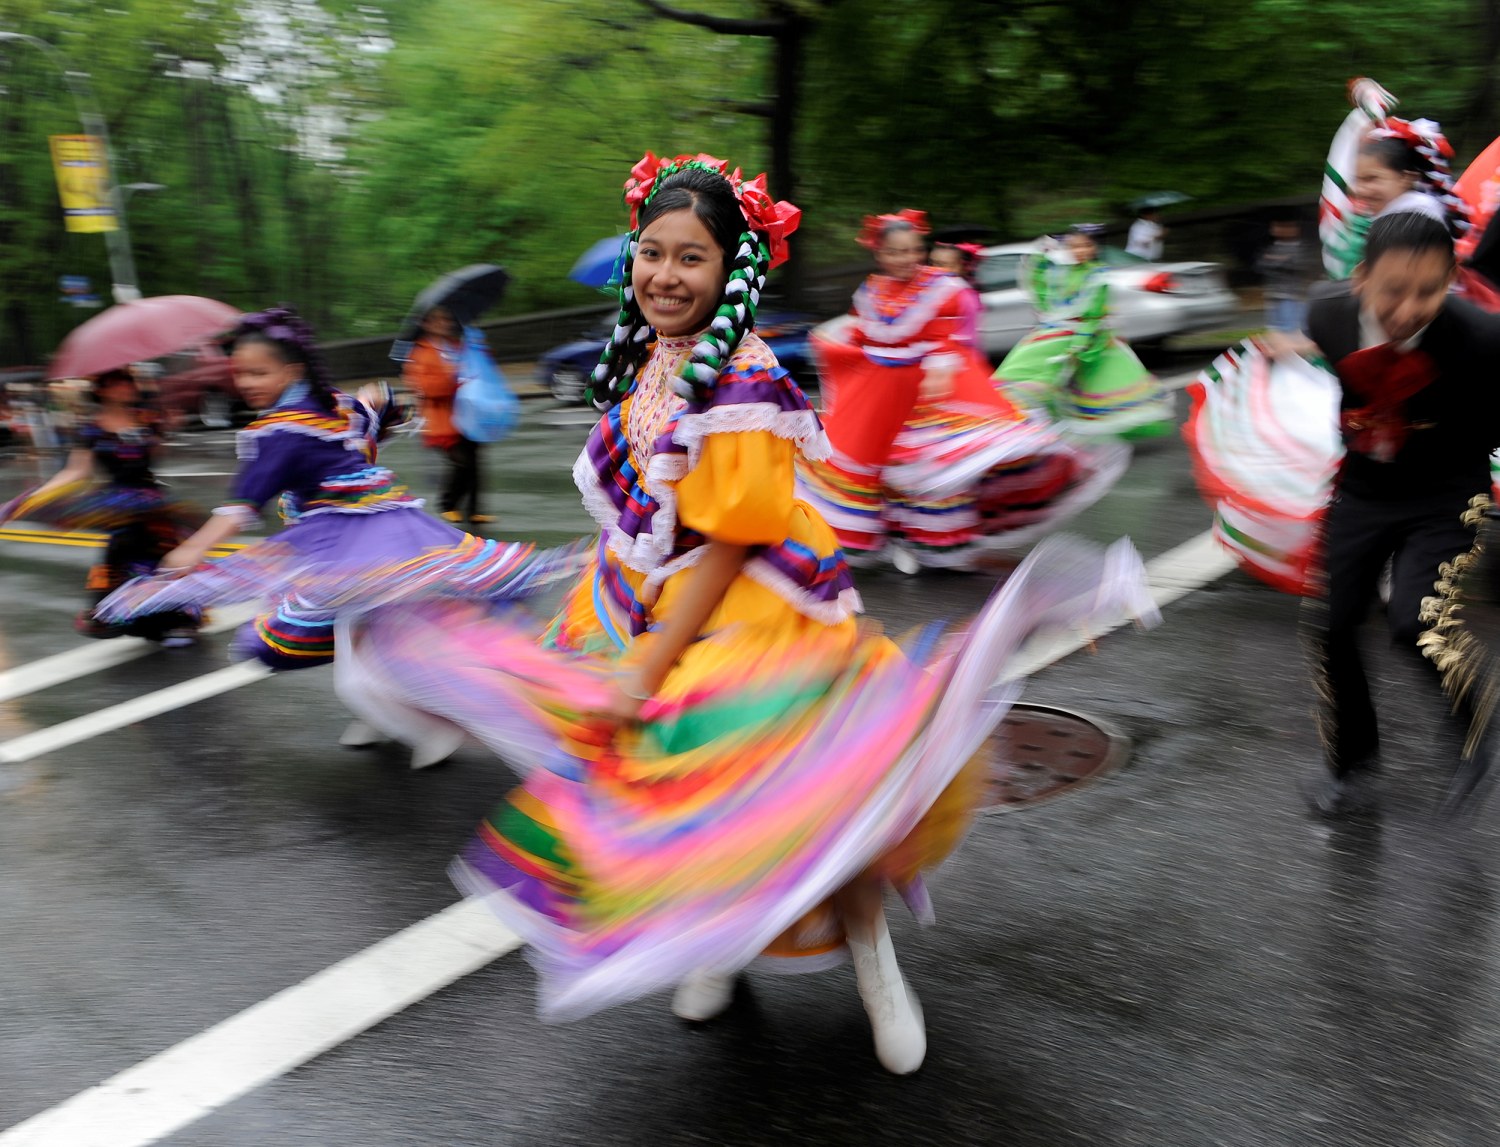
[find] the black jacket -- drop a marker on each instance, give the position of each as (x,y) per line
(1456,417)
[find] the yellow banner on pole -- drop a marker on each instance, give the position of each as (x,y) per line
(82,168)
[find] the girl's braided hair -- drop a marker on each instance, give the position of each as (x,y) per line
(292,341)
(712,196)
(1419,147)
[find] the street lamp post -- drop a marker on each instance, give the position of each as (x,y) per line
(117,242)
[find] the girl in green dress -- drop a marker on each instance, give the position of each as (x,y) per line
(1073,366)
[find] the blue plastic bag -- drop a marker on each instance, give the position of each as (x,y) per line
(484,409)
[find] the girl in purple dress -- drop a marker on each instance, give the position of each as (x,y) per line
(313,449)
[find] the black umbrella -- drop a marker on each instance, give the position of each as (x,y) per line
(466,294)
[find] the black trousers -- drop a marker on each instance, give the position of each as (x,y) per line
(1360,534)
(461,483)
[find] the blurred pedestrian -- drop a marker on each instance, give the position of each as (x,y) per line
(108,483)
(1286,266)
(1415,365)
(432,373)
(1147,238)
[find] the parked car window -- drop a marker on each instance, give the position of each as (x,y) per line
(998,272)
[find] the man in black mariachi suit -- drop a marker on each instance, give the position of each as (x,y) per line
(1419,369)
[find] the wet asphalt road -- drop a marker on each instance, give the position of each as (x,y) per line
(1176,955)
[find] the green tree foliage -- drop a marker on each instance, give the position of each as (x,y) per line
(340,153)
(1024,112)
(505,132)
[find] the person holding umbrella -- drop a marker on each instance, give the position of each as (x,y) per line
(440,353)
(1147,236)
(108,483)
(432,375)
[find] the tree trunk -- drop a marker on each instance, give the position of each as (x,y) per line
(1481,122)
(783,124)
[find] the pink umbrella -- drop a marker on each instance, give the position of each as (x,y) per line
(140,330)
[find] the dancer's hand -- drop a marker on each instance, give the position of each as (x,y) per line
(1286,344)
(937,384)
(626,698)
(184,559)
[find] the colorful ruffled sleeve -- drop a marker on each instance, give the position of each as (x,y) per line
(268,465)
(740,491)
(741,451)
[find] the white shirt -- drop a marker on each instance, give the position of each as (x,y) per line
(1371,333)
(1417,203)
(1145,239)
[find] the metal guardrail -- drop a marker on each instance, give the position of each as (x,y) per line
(1230,235)
(525,338)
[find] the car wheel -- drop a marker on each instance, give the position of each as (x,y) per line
(215,411)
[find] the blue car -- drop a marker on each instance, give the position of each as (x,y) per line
(565,370)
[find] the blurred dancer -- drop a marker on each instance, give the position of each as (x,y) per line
(108,483)
(721,764)
(1379,164)
(1416,367)
(1073,366)
(313,449)
(961,259)
(431,372)
(931,467)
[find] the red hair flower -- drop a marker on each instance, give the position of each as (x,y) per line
(875,224)
(774,219)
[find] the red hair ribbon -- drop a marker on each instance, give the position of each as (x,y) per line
(771,218)
(869,236)
(1421,133)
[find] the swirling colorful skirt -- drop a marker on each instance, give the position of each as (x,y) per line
(1103,391)
(946,478)
(780,760)
(142,525)
(1265,445)
(328,562)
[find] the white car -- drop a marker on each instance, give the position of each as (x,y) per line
(1147,301)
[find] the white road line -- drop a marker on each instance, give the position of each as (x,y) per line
(90,725)
(153,1099)
(80,662)
(160,1096)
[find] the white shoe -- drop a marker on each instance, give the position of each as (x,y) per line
(437,748)
(895,1015)
(905,561)
(358,735)
(702,996)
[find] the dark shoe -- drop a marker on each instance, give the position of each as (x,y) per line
(90,626)
(1333,797)
(1471,781)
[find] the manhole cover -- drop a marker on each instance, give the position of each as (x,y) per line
(1040,752)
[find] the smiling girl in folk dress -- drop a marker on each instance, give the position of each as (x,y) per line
(721,764)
